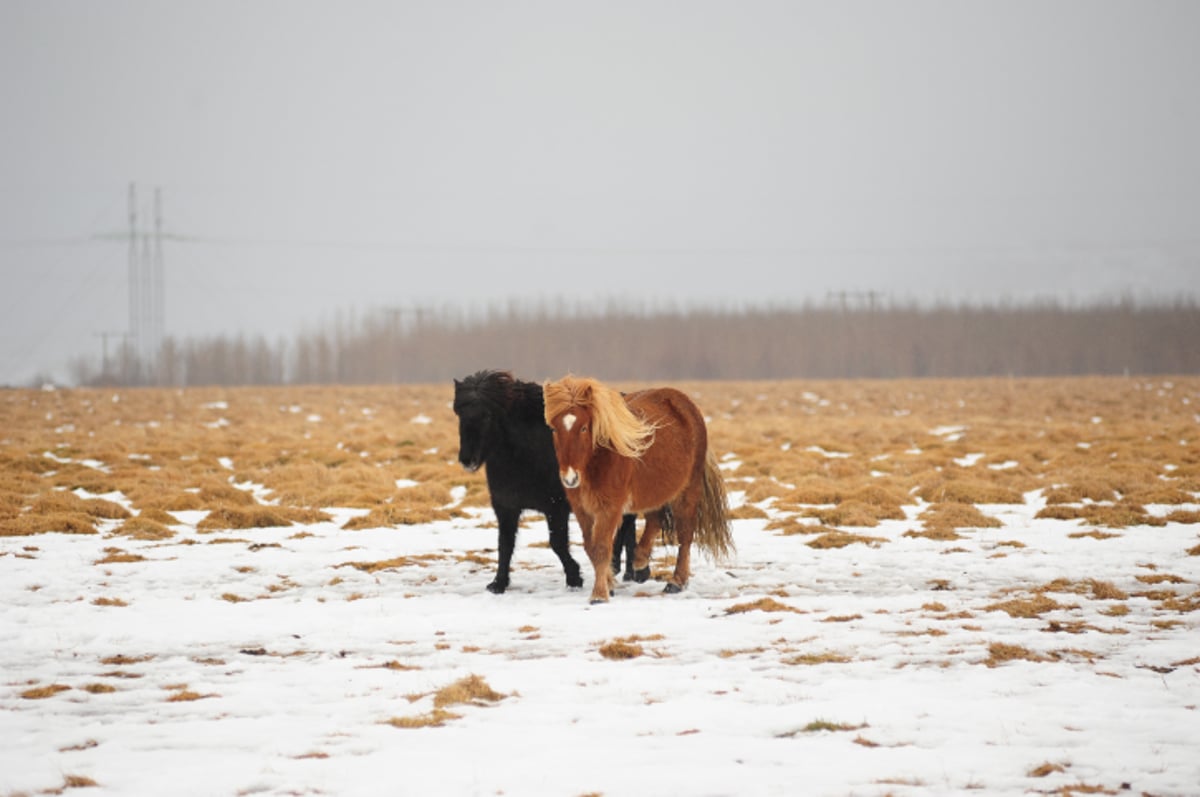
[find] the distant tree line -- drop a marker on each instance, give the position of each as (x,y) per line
(815,342)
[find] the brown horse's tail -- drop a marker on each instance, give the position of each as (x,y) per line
(713,535)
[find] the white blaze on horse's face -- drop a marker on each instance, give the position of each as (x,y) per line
(567,444)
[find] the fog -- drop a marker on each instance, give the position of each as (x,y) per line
(316,160)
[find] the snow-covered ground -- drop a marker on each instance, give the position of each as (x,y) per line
(265,662)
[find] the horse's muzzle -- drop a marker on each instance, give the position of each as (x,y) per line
(570,478)
(471,467)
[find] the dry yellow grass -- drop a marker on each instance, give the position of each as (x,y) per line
(968,490)
(30,522)
(225,517)
(43,692)
(397,515)
(144,528)
(619,649)
(941,517)
(1000,652)
(186,696)
(1100,590)
(855,512)
(849,454)
(76,782)
(1034,606)
(812,659)
(627,647)
(121,659)
(472,690)
(761,605)
(840,539)
(433,719)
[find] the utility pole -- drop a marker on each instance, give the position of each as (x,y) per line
(157,276)
(135,279)
(146,287)
(105,373)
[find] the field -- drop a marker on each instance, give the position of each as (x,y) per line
(962,586)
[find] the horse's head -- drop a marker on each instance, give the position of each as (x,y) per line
(478,402)
(585,415)
(574,443)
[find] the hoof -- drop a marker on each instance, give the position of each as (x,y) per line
(629,576)
(575,582)
(598,601)
(496,588)
(643,575)
(672,588)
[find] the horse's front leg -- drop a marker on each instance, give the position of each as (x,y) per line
(599,546)
(506,519)
(558,520)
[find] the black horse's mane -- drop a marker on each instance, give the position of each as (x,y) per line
(501,393)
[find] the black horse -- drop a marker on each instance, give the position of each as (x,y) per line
(502,425)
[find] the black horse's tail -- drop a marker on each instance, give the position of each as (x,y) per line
(666,534)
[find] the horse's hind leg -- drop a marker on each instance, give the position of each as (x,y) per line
(558,520)
(645,546)
(629,543)
(685,516)
(625,542)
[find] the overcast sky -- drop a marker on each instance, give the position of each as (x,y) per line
(318,158)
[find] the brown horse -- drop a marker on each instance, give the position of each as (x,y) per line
(646,453)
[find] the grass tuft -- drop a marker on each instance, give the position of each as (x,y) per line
(62,522)
(949,516)
(472,690)
(811,659)
(1025,608)
(822,726)
(767,604)
(43,692)
(619,649)
(78,782)
(840,539)
(144,528)
(1000,653)
(432,719)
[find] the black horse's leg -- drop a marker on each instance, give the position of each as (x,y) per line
(619,546)
(560,543)
(626,542)
(507,519)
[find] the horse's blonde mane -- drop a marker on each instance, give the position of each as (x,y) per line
(614,425)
